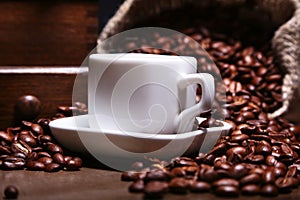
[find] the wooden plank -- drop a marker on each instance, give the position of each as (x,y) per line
(47,32)
(52,85)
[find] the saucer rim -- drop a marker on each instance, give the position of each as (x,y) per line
(59,124)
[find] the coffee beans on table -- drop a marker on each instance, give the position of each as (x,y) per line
(260,156)
(31,146)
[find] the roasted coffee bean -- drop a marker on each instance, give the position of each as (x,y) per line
(21,147)
(251,189)
(178,172)
(13,163)
(200,186)
(271,160)
(6,136)
(183,161)
(5,150)
(236,153)
(179,185)
(238,171)
(239,138)
(59,159)
(43,154)
(155,188)
(35,165)
(226,182)
(28,139)
(269,190)
(218,149)
(44,138)
(67,158)
(78,161)
(227,191)
(54,148)
(27,107)
(269,176)
(251,178)
(156,175)
(210,122)
(45,160)
(208,175)
(137,186)
(256,159)
(52,167)
(19,155)
(73,165)
(263,148)
(11,192)
(132,176)
(284,184)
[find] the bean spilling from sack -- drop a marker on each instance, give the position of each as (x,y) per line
(260,156)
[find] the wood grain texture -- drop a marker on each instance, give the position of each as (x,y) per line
(53,86)
(47,32)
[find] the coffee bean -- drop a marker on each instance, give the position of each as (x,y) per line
(208,175)
(6,136)
(27,107)
(251,189)
(45,160)
(239,138)
(52,167)
(179,185)
(156,175)
(132,176)
(54,148)
(271,160)
(256,159)
(227,191)
(178,172)
(137,186)
(35,166)
(28,139)
(226,182)
(285,184)
(67,158)
(11,192)
(155,188)
(251,178)
(236,153)
(59,159)
(72,165)
(269,176)
(43,154)
(37,130)
(238,171)
(263,148)
(5,150)
(21,147)
(44,138)
(13,163)
(200,186)
(269,190)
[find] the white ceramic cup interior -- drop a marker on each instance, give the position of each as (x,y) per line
(146,93)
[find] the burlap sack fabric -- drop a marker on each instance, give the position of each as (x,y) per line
(285,16)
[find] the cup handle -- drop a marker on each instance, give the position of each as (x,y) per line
(208,92)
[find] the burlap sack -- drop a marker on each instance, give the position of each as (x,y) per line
(285,16)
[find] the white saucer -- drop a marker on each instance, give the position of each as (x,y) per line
(75,134)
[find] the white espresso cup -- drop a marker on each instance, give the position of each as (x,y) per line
(146,93)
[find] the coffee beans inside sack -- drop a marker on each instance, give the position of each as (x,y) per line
(260,156)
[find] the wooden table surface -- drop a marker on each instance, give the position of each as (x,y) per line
(91,183)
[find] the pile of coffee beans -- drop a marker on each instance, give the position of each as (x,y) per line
(260,156)
(31,145)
